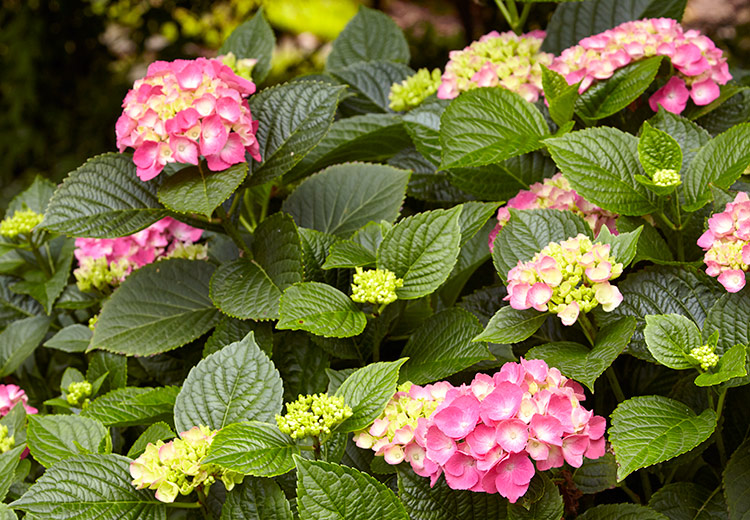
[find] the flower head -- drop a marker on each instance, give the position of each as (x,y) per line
(414,90)
(375,286)
(497,59)
(313,415)
(186,108)
(78,393)
(705,356)
(20,223)
(667,178)
(10,395)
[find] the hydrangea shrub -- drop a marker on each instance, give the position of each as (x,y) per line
(512,287)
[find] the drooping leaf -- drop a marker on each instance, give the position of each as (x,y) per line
(131,406)
(114,365)
(159,431)
(510,325)
(8,464)
(253,39)
(19,340)
(680,500)
(15,306)
(621,512)
(320,309)
(735,483)
(256,499)
(54,438)
(196,189)
(670,338)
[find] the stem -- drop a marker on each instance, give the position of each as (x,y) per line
(666,221)
(504,11)
(615,384)
(184,505)
(646,483)
(524,15)
(202,500)
(232,231)
(40,259)
(316,447)
(678,216)
(235,202)
(719,436)
(633,496)
(588,328)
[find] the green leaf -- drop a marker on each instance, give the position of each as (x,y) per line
(73,338)
(439,502)
(670,338)
(195,189)
(488,125)
(601,164)
(320,309)
(8,463)
(54,438)
(596,475)
(348,253)
(542,501)
(367,391)
(371,82)
(560,96)
(650,429)
(730,316)
(330,491)
(90,487)
(731,108)
(132,406)
(103,199)
(114,365)
(530,231)
(442,346)
(578,362)
(621,512)
(242,289)
(237,383)
(623,246)
(607,97)
(680,500)
(253,39)
(735,483)
(509,325)
(345,197)
(688,135)
(315,247)
(293,118)
(302,364)
(256,499)
(253,448)
(473,217)
(731,365)
(19,340)
(422,250)
(6,513)
(35,197)
(370,35)
(657,150)
(502,181)
(159,431)
(159,307)
(15,306)
(651,245)
(720,162)
(423,126)
(230,330)
(43,289)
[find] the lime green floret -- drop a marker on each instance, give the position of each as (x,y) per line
(705,355)
(6,443)
(20,223)
(414,90)
(313,415)
(79,392)
(667,178)
(243,68)
(375,286)
(97,273)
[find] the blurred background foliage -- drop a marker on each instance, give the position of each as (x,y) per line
(67,64)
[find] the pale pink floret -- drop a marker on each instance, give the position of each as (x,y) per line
(733,280)
(704,92)
(672,97)
(512,435)
(569,314)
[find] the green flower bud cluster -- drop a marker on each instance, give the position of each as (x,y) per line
(413,90)
(6,443)
(375,286)
(177,466)
(313,415)
(92,321)
(188,251)
(97,273)
(667,178)
(243,68)
(706,356)
(78,393)
(20,223)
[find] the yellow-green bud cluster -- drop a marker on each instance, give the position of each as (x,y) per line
(414,90)
(177,466)
(375,286)
(706,356)
(667,178)
(243,68)
(6,443)
(92,321)
(313,415)
(20,223)
(188,251)
(78,393)
(97,273)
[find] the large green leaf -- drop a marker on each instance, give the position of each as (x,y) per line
(253,448)
(196,189)
(293,118)
(650,429)
(19,340)
(131,406)
(487,126)
(242,289)
(685,500)
(328,491)
(53,438)
(584,365)
(735,483)
(670,338)
(158,307)
(253,39)
(422,250)
(256,499)
(345,197)
(601,164)
(237,383)
(370,35)
(621,512)
(372,81)
(688,135)
(596,475)
(367,391)
(104,199)
(90,487)
(320,309)
(442,346)
(510,325)
(730,316)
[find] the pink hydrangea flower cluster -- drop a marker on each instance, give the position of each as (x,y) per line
(497,59)
(727,243)
(698,62)
(186,108)
(488,436)
(10,396)
(566,278)
(555,193)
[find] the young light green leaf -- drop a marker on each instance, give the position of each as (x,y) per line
(688,135)
(242,289)
(54,438)
(157,308)
(345,197)
(367,391)
(253,39)
(196,189)
(159,431)
(256,499)
(253,448)
(688,500)
(487,126)
(320,309)
(73,338)
(422,250)
(237,383)
(96,487)
(623,246)
(103,199)
(731,365)
(509,325)
(19,340)
(735,482)
(622,512)
(650,429)
(131,406)
(326,490)
(560,96)
(670,338)
(596,475)
(657,150)
(601,164)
